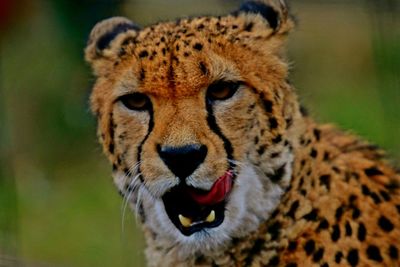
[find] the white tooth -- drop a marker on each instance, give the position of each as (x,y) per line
(186,222)
(211,216)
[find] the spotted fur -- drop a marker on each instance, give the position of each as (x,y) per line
(304,194)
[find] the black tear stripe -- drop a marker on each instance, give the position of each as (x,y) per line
(149,130)
(212,123)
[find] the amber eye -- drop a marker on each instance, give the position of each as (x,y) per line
(222,90)
(136,101)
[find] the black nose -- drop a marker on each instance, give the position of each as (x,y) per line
(184,160)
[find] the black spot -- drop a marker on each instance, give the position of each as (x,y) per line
(200,27)
(313,153)
(267,105)
(128,40)
(198,46)
(339,213)
(326,156)
(325,265)
(365,190)
(273,123)
(302,141)
(326,181)
(385,195)
(200,260)
(336,169)
(356,213)
(274,261)
(275,155)
(143,54)
(393,252)
(289,122)
(256,249)
(311,216)
(256,140)
(261,149)
(352,198)
(248,27)
(264,10)
(303,162)
(309,247)
(291,264)
(385,224)
(353,257)
(324,224)
(105,40)
(293,208)
(142,74)
(335,233)
(398,208)
(251,108)
(376,198)
(373,171)
(203,67)
(318,255)
(292,245)
(338,257)
(317,134)
(392,185)
(278,174)
(348,229)
(277,139)
(374,253)
(274,230)
(362,232)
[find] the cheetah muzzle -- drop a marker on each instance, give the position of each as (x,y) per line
(192,210)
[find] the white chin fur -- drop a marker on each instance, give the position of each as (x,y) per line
(248,205)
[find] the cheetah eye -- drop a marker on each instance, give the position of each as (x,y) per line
(135,101)
(222,90)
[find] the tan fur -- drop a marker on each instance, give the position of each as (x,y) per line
(335,183)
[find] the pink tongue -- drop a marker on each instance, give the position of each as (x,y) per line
(217,193)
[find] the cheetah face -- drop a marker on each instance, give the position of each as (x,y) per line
(196,118)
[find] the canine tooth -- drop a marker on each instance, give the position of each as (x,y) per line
(186,222)
(211,216)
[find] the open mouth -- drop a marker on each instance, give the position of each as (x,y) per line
(191,210)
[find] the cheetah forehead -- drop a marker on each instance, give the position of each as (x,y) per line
(184,56)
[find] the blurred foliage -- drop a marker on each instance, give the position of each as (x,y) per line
(57,202)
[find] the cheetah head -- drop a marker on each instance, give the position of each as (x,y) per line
(198,120)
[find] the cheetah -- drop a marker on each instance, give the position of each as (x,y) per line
(218,160)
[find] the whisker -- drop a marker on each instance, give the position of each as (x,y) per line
(132,187)
(138,202)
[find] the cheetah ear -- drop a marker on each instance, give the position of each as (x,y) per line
(106,41)
(275,12)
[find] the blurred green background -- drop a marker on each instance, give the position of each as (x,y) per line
(58,206)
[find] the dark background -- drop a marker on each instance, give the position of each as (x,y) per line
(58,206)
